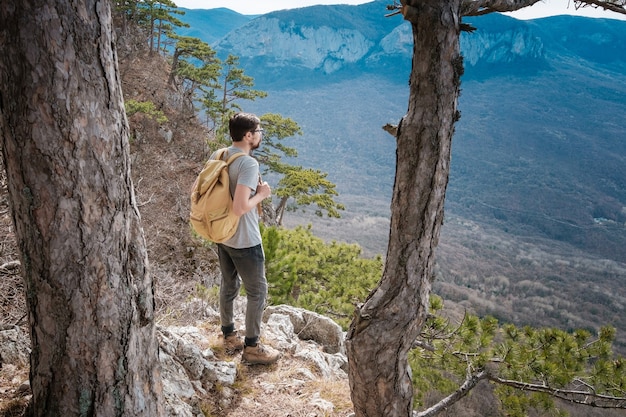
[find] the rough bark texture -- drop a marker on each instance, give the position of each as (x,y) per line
(388,322)
(65,147)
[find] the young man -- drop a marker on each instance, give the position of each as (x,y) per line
(241,257)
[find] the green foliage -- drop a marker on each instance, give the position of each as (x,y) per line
(272,149)
(197,67)
(159,18)
(195,77)
(194,51)
(530,366)
(304,185)
(145,107)
(210,294)
(304,271)
(237,85)
(221,97)
(128,9)
(154,18)
(307,187)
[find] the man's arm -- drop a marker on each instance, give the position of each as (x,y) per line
(243,203)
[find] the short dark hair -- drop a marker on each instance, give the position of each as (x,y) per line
(242,123)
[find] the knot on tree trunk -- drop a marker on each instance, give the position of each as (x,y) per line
(410,13)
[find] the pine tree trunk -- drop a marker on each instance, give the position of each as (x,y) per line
(280,210)
(389,321)
(65,147)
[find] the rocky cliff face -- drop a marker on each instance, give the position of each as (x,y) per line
(516,42)
(288,43)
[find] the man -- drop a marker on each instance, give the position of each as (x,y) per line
(241,257)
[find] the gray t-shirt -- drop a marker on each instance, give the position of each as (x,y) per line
(244,170)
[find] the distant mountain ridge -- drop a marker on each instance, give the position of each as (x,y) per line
(328,38)
(213,24)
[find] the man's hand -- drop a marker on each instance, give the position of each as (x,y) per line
(264,190)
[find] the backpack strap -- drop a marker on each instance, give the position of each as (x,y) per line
(222,154)
(230,160)
(233,157)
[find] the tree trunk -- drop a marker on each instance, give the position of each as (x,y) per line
(172,76)
(385,326)
(280,210)
(65,147)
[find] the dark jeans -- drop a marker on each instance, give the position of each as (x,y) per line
(247,265)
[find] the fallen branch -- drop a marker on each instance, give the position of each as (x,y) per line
(10,265)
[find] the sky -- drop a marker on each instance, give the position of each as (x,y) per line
(542,9)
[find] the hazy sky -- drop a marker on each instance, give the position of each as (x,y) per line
(541,9)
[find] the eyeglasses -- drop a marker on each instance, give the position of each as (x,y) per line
(259,130)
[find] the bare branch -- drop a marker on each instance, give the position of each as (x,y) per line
(145,202)
(470,382)
(481,7)
(583,397)
(617,6)
(391,129)
(589,398)
(423,345)
(9,265)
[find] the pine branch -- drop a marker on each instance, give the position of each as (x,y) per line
(589,398)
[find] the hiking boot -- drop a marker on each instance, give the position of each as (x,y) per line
(233,342)
(260,355)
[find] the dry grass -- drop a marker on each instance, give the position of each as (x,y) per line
(12,300)
(285,389)
(13,399)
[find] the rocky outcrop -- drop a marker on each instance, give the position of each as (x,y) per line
(503,45)
(308,325)
(192,371)
(14,346)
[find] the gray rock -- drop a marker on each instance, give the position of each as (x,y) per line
(308,325)
(14,346)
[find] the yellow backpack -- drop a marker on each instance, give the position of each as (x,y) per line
(211,202)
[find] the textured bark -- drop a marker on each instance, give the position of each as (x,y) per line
(389,321)
(65,146)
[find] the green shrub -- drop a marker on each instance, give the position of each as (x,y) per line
(145,107)
(328,278)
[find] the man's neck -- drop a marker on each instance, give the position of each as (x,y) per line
(242,146)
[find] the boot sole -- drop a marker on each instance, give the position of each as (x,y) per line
(258,362)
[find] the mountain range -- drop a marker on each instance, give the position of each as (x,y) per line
(537,191)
